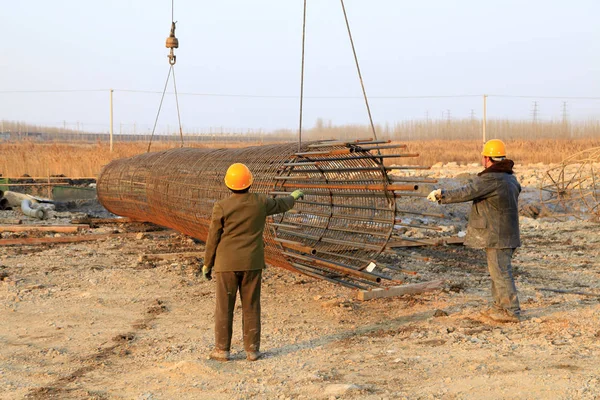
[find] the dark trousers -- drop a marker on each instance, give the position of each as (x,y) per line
(504,290)
(228,284)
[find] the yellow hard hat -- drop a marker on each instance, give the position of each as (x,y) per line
(494,148)
(238,177)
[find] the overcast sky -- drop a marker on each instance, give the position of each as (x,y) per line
(243,47)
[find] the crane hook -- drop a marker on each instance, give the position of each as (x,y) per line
(172,43)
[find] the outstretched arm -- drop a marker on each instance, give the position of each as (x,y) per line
(480,188)
(279,205)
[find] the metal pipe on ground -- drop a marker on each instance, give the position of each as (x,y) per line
(306,269)
(335,266)
(39,213)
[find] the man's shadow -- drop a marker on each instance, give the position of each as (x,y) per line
(387,325)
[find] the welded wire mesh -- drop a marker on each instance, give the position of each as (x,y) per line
(343,223)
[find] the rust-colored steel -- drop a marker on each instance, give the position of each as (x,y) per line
(372,186)
(334,233)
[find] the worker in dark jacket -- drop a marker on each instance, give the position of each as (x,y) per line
(235,249)
(493,224)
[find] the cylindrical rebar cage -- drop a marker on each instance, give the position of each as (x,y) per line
(343,223)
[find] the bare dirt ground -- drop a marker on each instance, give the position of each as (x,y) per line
(91,321)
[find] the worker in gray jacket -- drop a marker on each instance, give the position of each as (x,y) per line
(493,224)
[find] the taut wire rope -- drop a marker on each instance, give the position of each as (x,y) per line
(172,43)
(302,78)
(362,85)
(160,107)
(177,104)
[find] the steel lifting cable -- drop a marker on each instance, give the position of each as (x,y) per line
(302,77)
(362,85)
(172,43)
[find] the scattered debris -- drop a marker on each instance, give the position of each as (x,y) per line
(568,292)
(399,290)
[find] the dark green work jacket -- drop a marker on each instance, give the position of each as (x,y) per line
(235,236)
(494,217)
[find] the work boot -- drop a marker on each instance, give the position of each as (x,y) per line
(500,315)
(253,355)
(219,355)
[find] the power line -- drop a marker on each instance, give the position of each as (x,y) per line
(254,96)
(251,96)
(544,97)
(55,91)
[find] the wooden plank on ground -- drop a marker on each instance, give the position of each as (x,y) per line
(399,290)
(102,221)
(455,240)
(10,221)
(426,242)
(44,228)
(65,239)
(170,256)
(563,291)
(70,239)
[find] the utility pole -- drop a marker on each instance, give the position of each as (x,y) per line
(534,118)
(534,112)
(111,121)
(484,119)
(565,119)
(472,115)
(564,113)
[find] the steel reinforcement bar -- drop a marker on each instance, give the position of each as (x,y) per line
(335,233)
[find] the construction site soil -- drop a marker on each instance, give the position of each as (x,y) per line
(97,320)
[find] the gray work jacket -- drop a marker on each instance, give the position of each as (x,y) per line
(494,217)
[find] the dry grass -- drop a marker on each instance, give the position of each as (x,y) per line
(461,129)
(521,151)
(39,159)
(86,160)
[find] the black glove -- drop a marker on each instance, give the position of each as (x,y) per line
(207,273)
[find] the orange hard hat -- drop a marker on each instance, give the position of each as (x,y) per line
(238,177)
(494,148)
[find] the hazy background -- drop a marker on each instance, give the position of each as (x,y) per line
(252,48)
